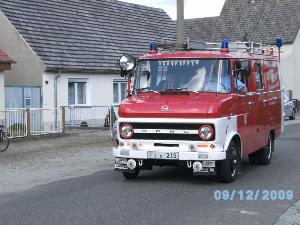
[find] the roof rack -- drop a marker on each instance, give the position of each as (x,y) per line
(246,47)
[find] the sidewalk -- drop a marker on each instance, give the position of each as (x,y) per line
(36,161)
(292,215)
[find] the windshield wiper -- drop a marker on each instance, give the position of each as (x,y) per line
(176,89)
(147,89)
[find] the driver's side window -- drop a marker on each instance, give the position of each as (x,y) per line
(241,74)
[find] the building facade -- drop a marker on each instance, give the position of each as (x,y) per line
(67,53)
(5,64)
(260,21)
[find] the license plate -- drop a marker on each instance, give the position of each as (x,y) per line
(163,155)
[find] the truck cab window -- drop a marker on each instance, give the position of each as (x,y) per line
(195,75)
(241,73)
(258,77)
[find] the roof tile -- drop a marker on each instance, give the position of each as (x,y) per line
(87,34)
(239,20)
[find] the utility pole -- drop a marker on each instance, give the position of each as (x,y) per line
(180,23)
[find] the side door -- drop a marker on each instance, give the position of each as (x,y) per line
(262,104)
(244,104)
(274,97)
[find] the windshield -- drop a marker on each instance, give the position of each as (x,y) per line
(197,75)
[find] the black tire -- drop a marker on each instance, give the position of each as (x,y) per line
(264,155)
(227,169)
(131,175)
(293,115)
(4,141)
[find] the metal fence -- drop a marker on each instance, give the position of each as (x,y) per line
(46,121)
(39,121)
(34,121)
(15,121)
(93,116)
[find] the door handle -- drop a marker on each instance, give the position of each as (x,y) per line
(275,98)
(265,101)
(251,105)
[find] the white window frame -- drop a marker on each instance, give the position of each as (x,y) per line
(76,81)
(119,82)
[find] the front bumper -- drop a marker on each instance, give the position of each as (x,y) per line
(183,155)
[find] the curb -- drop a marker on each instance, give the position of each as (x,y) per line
(291,216)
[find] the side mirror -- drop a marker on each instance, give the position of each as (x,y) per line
(127,63)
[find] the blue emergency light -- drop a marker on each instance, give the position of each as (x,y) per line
(279,42)
(225,46)
(152,47)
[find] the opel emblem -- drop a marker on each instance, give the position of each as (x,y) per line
(165,108)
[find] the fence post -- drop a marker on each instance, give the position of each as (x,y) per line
(28,128)
(63,118)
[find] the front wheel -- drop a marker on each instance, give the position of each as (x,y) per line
(4,141)
(264,155)
(132,174)
(227,168)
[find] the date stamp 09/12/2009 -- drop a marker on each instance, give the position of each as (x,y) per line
(254,195)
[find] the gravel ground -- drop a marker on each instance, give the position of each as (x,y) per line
(41,160)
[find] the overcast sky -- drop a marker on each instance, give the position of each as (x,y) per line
(193,8)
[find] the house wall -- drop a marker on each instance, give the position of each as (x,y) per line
(296,81)
(29,67)
(99,88)
(290,67)
(287,66)
(2,96)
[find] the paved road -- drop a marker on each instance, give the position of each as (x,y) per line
(163,196)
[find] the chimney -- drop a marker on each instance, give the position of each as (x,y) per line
(180,23)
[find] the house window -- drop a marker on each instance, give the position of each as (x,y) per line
(119,90)
(77,92)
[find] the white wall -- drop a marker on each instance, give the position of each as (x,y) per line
(48,90)
(290,67)
(2,92)
(287,66)
(99,88)
(296,81)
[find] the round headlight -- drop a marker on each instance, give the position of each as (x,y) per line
(127,62)
(206,132)
(126,131)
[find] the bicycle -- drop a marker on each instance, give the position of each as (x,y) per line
(4,141)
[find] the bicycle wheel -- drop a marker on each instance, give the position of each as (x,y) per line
(4,141)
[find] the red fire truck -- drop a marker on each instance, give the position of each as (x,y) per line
(201,107)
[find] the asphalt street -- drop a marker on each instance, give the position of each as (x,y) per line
(163,196)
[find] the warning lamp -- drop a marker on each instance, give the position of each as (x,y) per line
(225,46)
(152,47)
(279,42)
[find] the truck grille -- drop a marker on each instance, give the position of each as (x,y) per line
(181,137)
(167,136)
